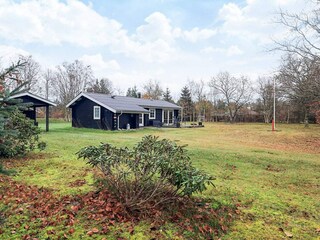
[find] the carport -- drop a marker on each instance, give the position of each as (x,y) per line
(35,102)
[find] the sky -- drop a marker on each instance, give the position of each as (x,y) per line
(130,42)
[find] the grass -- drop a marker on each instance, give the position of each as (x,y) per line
(274,175)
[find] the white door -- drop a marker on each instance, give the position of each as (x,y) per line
(167,117)
(141,120)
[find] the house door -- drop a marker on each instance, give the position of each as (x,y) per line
(141,120)
(167,117)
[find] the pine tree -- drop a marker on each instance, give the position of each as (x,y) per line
(7,104)
(186,103)
(18,134)
(167,96)
(103,86)
(133,92)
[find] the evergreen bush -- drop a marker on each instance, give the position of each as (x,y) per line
(153,172)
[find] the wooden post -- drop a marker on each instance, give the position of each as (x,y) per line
(35,115)
(47,118)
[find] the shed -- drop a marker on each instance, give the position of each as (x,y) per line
(35,102)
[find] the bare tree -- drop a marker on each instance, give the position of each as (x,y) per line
(152,90)
(197,89)
(48,78)
(71,79)
(30,73)
(265,92)
(300,68)
(304,32)
(236,92)
(300,82)
(199,96)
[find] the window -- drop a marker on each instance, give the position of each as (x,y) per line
(96,112)
(152,113)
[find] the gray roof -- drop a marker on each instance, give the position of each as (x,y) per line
(125,104)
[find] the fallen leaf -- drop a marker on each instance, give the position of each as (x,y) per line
(95,230)
(75,208)
(288,234)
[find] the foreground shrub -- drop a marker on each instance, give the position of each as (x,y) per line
(18,135)
(153,172)
(25,137)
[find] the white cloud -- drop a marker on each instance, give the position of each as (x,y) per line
(255,21)
(53,22)
(197,34)
(10,54)
(157,27)
(234,50)
(100,67)
(231,12)
(230,51)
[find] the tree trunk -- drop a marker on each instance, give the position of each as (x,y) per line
(306,118)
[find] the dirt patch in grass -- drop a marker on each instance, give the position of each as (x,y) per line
(78,183)
(29,212)
(298,144)
(21,161)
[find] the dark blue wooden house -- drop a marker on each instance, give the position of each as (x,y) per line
(102,111)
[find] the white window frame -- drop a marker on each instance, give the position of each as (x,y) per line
(94,113)
(167,111)
(154,113)
(142,118)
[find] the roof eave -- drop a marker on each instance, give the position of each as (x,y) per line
(35,97)
(92,99)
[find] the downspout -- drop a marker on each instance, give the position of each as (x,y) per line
(119,120)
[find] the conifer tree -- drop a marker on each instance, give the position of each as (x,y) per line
(7,104)
(18,134)
(186,103)
(133,92)
(167,96)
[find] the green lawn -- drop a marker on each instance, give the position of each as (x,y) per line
(273,176)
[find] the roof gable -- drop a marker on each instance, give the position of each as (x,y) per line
(33,96)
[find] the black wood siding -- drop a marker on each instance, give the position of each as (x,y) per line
(31,114)
(159,115)
(132,119)
(32,101)
(176,115)
(107,119)
(82,116)
(149,122)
